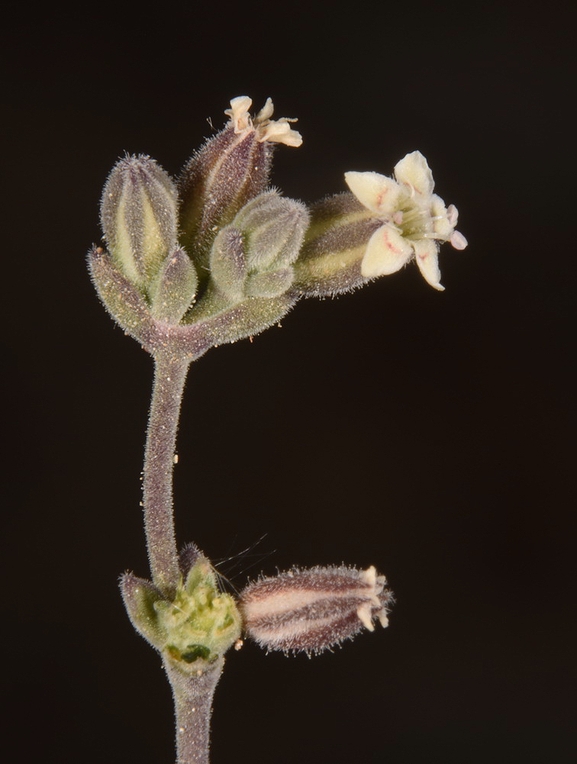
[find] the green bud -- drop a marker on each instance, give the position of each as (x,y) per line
(139,218)
(174,288)
(334,246)
(201,623)
(274,228)
(252,257)
(194,628)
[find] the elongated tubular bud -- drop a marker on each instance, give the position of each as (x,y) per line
(229,170)
(139,217)
(313,610)
(334,246)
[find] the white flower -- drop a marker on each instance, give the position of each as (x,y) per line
(267,129)
(414,219)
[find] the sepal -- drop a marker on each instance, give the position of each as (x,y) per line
(247,319)
(188,556)
(121,298)
(140,597)
(228,264)
(269,283)
(174,289)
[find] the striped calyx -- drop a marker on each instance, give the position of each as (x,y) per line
(314,609)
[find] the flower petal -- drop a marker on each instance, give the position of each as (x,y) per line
(458,240)
(279,131)
(386,253)
(452,214)
(266,112)
(415,172)
(427,257)
(376,192)
(238,113)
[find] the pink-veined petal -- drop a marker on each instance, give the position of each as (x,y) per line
(452,214)
(427,257)
(458,240)
(386,253)
(415,172)
(376,192)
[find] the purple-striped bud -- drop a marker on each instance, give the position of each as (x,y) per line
(229,170)
(139,218)
(315,609)
(336,241)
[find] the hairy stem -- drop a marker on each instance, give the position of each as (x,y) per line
(193,706)
(169,379)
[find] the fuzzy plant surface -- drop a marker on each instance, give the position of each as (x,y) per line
(209,258)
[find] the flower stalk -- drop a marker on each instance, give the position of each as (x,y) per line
(168,387)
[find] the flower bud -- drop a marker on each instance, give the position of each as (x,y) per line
(274,228)
(191,630)
(229,170)
(313,610)
(139,218)
(202,622)
(253,256)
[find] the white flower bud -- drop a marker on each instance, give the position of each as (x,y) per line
(313,610)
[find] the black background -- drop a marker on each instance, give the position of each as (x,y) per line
(429,434)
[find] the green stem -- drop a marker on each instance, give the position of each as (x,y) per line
(169,378)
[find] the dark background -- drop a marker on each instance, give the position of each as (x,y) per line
(429,434)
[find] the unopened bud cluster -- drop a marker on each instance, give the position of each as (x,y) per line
(192,628)
(207,258)
(314,609)
(217,255)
